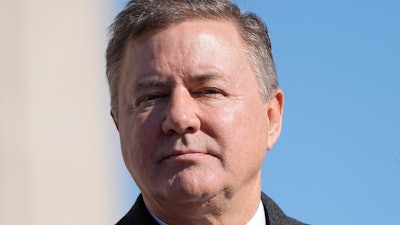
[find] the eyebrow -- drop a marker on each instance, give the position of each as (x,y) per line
(157,81)
(150,82)
(205,77)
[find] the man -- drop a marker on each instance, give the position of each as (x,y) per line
(196,102)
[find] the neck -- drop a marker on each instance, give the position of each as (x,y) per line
(226,207)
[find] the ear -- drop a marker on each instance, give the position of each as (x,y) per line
(115,119)
(275,112)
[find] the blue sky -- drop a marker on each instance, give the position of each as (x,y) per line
(338,158)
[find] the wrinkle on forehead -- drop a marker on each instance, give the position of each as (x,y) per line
(191,33)
(169,53)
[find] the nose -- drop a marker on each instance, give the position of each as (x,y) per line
(181,113)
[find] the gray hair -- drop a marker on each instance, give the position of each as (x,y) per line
(142,16)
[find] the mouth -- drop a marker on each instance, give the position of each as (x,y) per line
(178,155)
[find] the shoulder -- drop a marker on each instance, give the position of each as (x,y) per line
(275,215)
(138,215)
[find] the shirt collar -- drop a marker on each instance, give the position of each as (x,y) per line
(257,219)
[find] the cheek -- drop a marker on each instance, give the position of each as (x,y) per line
(241,139)
(138,135)
(146,124)
(217,122)
(243,128)
(225,126)
(233,121)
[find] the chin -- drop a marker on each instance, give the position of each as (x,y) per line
(187,187)
(184,196)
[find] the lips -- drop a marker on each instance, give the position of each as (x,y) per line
(183,155)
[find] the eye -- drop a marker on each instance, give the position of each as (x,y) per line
(208,92)
(149,98)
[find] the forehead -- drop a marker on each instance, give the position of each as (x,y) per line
(181,48)
(212,25)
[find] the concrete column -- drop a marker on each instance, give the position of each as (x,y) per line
(53,146)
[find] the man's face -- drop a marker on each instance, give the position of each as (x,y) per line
(191,119)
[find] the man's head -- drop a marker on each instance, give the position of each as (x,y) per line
(144,16)
(196,111)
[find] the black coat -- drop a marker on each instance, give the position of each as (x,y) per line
(139,215)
